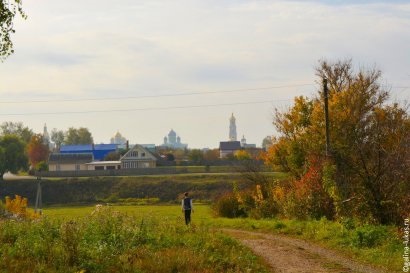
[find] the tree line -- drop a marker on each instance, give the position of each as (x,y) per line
(22,149)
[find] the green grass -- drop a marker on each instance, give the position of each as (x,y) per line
(163,233)
(150,239)
(202,213)
(377,245)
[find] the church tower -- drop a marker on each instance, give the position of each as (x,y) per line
(46,136)
(232,128)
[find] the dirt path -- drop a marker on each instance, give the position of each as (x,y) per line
(289,255)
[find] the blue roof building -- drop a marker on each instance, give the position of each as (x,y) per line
(99,151)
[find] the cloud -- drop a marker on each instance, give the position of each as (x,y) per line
(134,47)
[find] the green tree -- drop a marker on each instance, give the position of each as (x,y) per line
(16,128)
(57,136)
(113,156)
(78,136)
(12,151)
(196,155)
(41,166)
(8,10)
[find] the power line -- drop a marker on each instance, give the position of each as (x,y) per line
(139,109)
(157,96)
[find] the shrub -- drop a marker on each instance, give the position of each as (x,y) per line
(17,207)
(228,206)
(369,236)
(42,166)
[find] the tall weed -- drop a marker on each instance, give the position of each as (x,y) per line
(109,241)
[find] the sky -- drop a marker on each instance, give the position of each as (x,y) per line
(145,67)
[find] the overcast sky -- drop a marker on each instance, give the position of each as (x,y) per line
(145,67)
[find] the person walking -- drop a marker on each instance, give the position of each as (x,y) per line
(187,208)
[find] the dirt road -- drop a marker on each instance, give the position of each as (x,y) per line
(289,255)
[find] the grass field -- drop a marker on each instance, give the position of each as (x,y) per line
(202,213)
(378,245)
(150,239)
(135,238)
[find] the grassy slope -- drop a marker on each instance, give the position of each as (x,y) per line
(167,188)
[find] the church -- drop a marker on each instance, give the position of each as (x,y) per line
(173,141)
(233,145)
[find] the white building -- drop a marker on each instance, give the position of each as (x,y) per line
(119,140)
(138,157)
(173,141)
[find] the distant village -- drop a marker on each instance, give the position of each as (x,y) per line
(96,157)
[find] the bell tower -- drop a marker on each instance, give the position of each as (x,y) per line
(232,128)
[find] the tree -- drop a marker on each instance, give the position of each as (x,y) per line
(8,10)
(113,156)
(16,128)
(196,155)
(37,151)
(170,157)
(242,155)
(266,142)
(78,136)
(57,136)
(369,141)
(211,155)
(12,153)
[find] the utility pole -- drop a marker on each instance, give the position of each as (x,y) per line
(39,201)
(325,95)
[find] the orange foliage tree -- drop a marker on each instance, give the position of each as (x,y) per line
(36,149)
(367,175)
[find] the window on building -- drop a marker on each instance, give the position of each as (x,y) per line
(142,154)
(110,167)
(77,167)
(99,168)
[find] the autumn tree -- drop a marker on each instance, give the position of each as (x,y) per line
(211,155)
(8,10)
(37,151)
(78,136)
(242,155)
(12,155)
(367,174)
